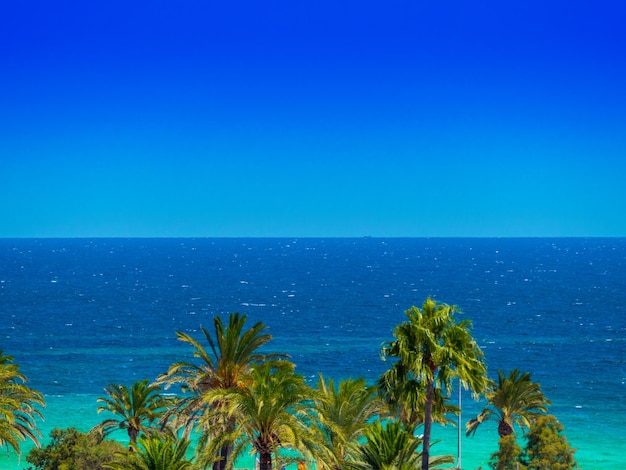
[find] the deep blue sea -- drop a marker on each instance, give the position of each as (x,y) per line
(78,314)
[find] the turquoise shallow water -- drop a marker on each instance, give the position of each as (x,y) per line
(79,314)
(597,448)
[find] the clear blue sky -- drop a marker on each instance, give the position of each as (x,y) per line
(316,118)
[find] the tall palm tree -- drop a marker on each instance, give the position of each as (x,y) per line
(433,348)
(342,414)
(272,413)
(18,410)
(406,396)
(391,447)
(154,453)
(515,400)
(137,408)
(225,365)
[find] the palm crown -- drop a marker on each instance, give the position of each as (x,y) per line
(154,453)
(515,399)
(391,447)
(137,408)
(273,412)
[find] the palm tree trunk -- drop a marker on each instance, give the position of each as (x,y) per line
(223,460)
(428,421)
(504,429)
(226,450)
(133,433)
(265,460)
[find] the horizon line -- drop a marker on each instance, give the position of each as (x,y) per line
(310,237)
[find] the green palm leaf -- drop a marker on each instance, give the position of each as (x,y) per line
(273,412)
(154,453)
(224,365)
(342,415)
(430,349)
(136,409)
(18,406)
(391,446)
(515,400)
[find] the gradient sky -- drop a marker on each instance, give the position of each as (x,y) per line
(312,118)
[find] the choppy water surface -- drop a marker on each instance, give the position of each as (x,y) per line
(78,314)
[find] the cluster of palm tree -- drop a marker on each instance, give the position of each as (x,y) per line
(233,398)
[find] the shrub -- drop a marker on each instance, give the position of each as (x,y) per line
(70,449)
(508,455)
(547,447)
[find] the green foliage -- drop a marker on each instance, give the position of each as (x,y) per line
(136,409)
(547,447)
(508,455)
(70,449)
(342,414)
(431,349)
(154,453)
(272,413)
(238,399)
(515,400)
(17,406)
(224,365)
(391,446)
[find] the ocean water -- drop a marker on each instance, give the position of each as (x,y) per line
(78,314)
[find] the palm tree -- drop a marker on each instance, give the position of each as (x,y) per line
(224,366)
(433,348)
(514,400)
(18,410)
(154,453)
(272,413)
(137,408)
(406,396)
(343,413)
(391,447)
